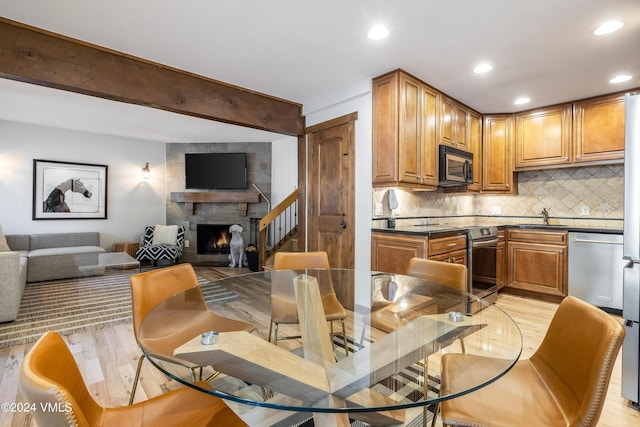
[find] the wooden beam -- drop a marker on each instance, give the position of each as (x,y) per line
(36,56)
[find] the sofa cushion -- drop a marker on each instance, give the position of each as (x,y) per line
(65,251)
(61,240)
(4,246)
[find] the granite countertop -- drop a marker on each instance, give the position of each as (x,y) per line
(440,229)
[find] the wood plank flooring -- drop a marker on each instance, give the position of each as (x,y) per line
(107,359)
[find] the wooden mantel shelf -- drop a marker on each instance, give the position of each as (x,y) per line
(191,198)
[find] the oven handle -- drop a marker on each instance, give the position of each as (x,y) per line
(484,243)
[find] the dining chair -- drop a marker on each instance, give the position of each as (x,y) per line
(284,309)
(564,383)
(446,273)
(151,288)
(50,380)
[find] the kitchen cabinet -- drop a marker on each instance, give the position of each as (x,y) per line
(449,249)
(589,131)
(453,123)
(391,252)
(537,263)
(501,259)
(474,138)
(543,137)
(405,131)
(497,169)
(598,129)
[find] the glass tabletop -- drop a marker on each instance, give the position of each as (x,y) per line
(397,330)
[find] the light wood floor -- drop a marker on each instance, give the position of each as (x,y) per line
(107,359)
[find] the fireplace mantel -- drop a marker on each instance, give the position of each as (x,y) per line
(192,198)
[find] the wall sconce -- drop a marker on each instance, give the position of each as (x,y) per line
(146,172)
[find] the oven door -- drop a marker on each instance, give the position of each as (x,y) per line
(484,267)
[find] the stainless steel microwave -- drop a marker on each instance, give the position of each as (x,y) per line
(455,167)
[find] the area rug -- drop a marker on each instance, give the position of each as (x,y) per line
(83,304)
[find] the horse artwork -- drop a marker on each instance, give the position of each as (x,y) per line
(56,200)
(64,190)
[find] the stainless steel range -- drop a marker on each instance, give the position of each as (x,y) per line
(482,261)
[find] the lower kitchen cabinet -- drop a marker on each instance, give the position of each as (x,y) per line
(391,252)
(537,263)
(449,249)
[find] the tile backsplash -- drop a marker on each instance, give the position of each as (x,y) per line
(564,192)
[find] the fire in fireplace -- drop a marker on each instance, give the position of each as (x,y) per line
(213,238)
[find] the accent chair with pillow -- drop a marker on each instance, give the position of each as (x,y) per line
(161,243)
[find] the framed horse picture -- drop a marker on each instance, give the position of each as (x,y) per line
(63,190)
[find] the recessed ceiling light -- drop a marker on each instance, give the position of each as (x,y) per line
(522,100)
(608,27)
(378,33)
(482,68)
(620,78)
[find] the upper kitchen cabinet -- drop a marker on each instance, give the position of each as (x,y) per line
(497,173)
(598,129)
(589,131)
(474,138)
(543,137)
(405,131)
(453,123)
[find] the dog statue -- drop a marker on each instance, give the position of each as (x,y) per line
(237,247)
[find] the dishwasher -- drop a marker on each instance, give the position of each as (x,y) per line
(595,269)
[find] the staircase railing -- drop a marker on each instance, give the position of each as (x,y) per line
(277,227)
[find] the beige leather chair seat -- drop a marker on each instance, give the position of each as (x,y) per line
(564,383)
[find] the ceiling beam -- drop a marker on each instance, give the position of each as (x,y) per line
(36,56)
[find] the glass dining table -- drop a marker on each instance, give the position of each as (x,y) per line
(397,330)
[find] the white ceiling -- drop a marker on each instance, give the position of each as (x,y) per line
(301,50)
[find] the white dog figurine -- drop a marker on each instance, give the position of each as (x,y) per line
(237,246)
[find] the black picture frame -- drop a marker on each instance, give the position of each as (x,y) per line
(65,190)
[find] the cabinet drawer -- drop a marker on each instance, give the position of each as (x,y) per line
(442,245)
(556,237)
(456,257)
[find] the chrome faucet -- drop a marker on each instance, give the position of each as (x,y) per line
(545,216)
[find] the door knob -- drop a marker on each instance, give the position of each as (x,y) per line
(343,224)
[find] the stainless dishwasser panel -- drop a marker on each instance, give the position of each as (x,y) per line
(595,269)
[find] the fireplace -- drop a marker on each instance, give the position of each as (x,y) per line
(213,239)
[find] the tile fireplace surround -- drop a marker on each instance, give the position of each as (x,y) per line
(225,214)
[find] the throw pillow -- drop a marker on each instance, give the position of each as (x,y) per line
(4,246)
(165,234)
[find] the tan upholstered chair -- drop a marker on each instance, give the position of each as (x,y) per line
(564,383)
(283,307)
(446,273)
(153,287)
(50,378)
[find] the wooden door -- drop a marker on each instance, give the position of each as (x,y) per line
(331,190)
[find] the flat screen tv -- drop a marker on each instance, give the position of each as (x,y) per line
(215,171)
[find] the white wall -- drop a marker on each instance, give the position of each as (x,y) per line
(132,202)
(284,168)
(353,99)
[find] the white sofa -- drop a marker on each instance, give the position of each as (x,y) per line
(39,257)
